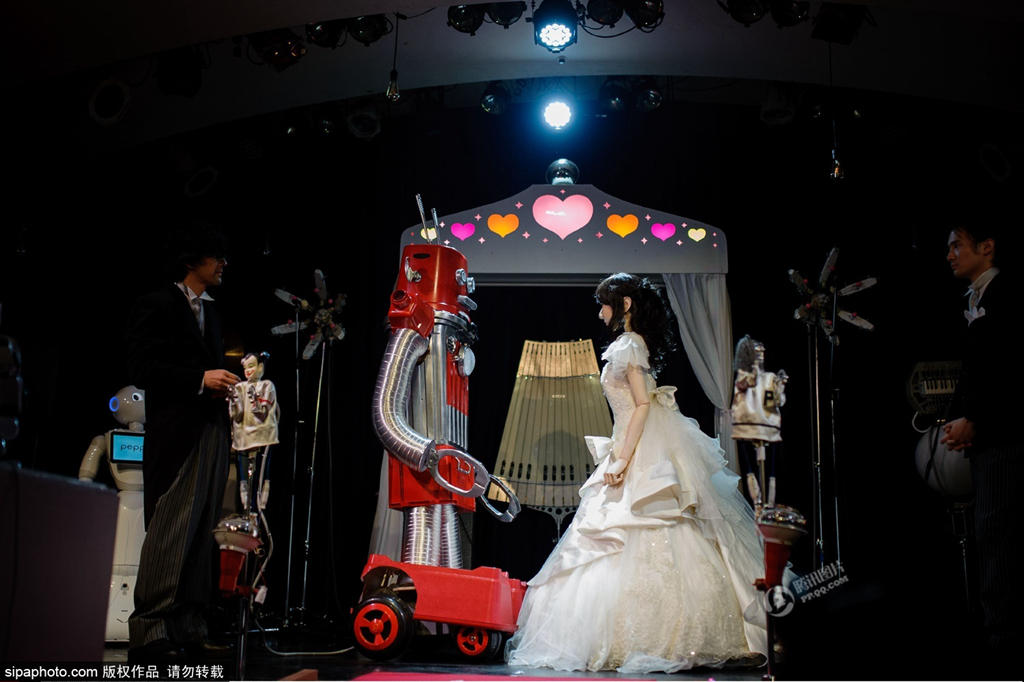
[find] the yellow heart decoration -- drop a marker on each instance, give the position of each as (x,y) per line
(622,224)
(503,225)
(697,233)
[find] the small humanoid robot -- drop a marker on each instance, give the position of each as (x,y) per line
(757,399)
(420,414)
(122,449)
(254,414)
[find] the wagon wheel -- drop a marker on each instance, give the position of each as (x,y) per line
(382,625)
(477,643)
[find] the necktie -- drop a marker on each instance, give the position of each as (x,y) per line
(197,310)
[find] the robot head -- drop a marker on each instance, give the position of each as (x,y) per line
(749,354)
(431,278)
(252,366)
(129,406)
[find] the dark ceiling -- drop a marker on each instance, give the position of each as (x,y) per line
(953,50)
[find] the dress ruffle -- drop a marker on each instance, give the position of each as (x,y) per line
(628,349)
(677,532)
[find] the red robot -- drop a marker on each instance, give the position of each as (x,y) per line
(420,410)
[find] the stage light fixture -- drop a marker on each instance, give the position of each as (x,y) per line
(615,95)
(109,102)
(647,95)
(645,14)
(562,172)
(280,48)
(746,12)
(495,99)
(554,24)
(789,12)
(369,28)
(505,13)
(466,18)
(557,114)
(604,12)
(326,33)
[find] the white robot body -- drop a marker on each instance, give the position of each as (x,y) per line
(121,447)
(131,531)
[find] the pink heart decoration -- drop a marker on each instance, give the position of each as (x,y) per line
(663,230)
(463,230)
(562,217)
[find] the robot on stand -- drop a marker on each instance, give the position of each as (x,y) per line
(254,414)
(757,399)
(420,414)
(122,449)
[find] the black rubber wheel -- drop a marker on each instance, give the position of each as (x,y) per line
(382,625)
(478,644)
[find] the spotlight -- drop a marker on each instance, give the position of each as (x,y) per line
(557,114)
(554,25)
(495,99)
(466,18)
(646,14)
(615,95)
(280,48)
(604,12)
(369,28)
(789,12)
(505,13)
(326,33)
(647,95)
(746,12)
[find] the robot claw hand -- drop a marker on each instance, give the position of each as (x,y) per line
(481,480)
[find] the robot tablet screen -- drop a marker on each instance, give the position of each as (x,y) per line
(126,446)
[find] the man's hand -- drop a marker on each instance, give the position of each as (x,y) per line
(219,380)
(958,434)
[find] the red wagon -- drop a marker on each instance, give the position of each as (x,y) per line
(478,607)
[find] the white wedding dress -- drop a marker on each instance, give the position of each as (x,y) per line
(655,574)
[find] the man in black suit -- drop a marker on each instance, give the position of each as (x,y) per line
(175,353)
(987,431)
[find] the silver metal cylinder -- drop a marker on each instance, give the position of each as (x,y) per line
(421,543)
(391,400)
(450,540)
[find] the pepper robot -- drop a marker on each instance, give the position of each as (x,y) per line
(122,448)
(420,414)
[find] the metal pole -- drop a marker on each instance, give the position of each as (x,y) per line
(295,464)
(818,558)
(312,462)
(834,409)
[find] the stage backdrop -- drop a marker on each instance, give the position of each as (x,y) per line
(570,234)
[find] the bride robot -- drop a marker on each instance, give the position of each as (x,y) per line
(656,571)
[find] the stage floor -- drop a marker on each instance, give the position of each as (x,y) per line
(428,660)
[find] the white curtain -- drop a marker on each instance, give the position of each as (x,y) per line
(701,305)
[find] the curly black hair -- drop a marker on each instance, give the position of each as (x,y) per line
(650,315)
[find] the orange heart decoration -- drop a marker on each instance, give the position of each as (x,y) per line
(503,225)
(622,224)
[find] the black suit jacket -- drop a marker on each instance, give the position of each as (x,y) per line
(991,368)
(167,357)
